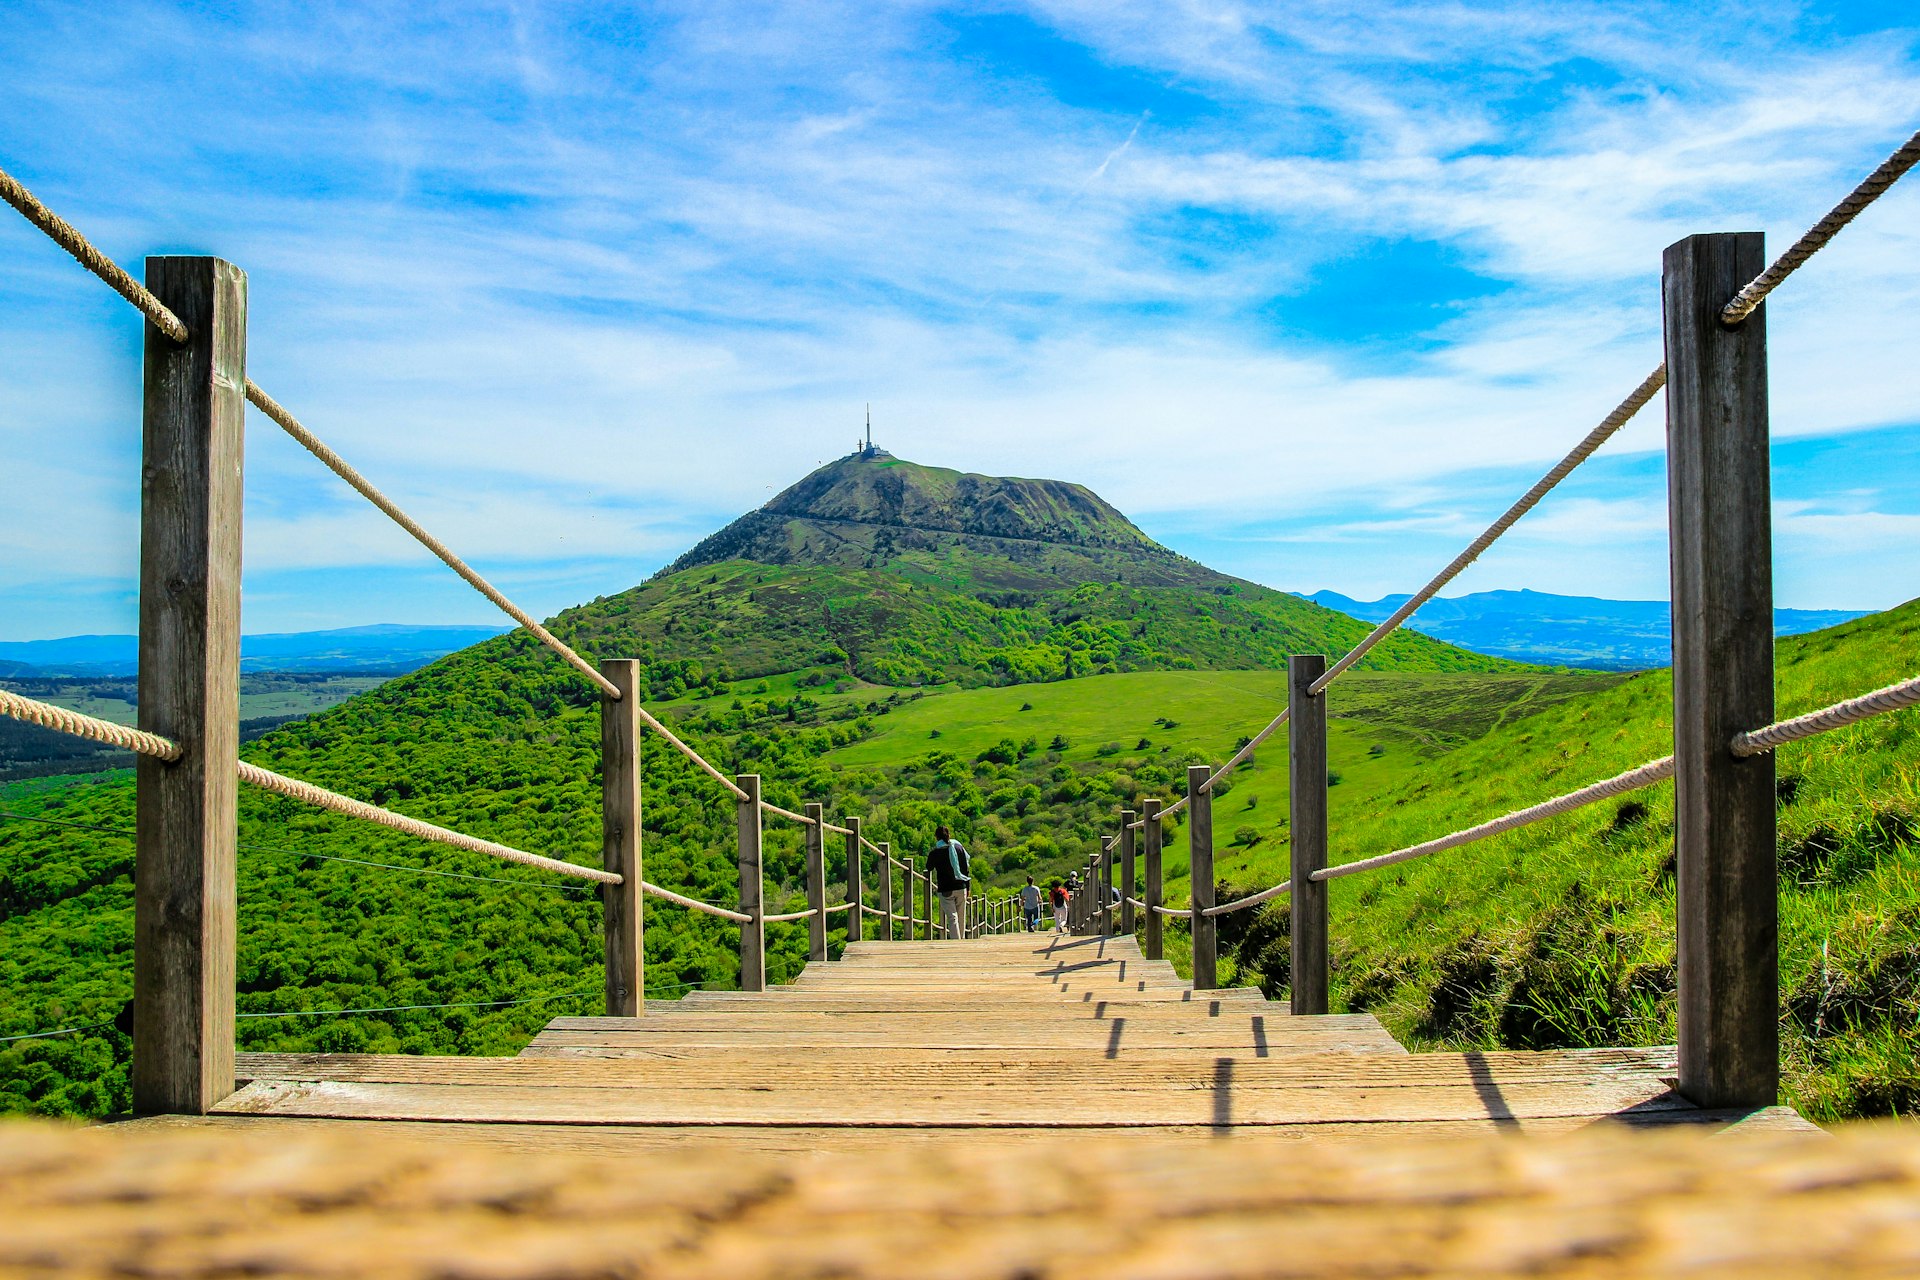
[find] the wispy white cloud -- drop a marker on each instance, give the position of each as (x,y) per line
(575,287)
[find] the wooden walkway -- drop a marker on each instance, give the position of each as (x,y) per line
(1010,1039)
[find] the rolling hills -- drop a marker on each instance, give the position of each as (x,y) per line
(954,680)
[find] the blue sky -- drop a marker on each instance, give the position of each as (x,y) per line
(1310,290)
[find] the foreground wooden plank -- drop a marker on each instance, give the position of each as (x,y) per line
(775,1072)
(215,1202)
(1229,1103)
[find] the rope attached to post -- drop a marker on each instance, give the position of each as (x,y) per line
(791,915)
(320,797)
(1893,697)
(48,716)
(62,233)
(365,488)
(1632,780)
(1748,300)
(1251,900)
(694,904)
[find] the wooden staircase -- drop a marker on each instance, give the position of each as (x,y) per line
(1013,1038)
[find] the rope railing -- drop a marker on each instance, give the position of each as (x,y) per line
(791,915)
(1839,715)
(366,489)
(1816,238)
(69,238)
(320,797)
(62,233)
(92,728)
(1251,900)
(1633,779)
(694,904)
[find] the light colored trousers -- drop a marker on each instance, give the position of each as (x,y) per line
(953,907)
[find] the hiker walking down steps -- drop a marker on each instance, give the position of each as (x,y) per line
(1030,906)
(952,874)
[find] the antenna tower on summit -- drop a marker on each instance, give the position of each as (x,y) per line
(864,448)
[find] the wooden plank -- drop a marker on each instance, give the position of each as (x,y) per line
(1127,890)
(753,935)
(1307,833)
(957,1106)
(1721,547)
(623,917)
(802,1072)
(193,412)
(1115,1148)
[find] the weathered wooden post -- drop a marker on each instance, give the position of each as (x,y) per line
(1150,833)
(622,919)
(1307,827)
(886,892)
(1206,928)
(816,844)
(910,882)
(753,934)
(1720,520)
(856,887)
(1127,817)
(186,811)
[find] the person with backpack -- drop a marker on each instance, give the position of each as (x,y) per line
(1059,898)
(1030,906)
(952,873)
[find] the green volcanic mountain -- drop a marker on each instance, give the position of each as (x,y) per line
(873,510)
(878,569)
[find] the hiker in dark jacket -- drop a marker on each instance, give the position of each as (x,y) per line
(952,874)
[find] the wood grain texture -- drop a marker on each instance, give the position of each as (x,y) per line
(856,883)
(193,412)
(1204,930)
(886,868)
(1727,935)
(623,919)
(284,1199)
(1128,891)
(815,838)
(1307,833)
(753,936)
(1153,936)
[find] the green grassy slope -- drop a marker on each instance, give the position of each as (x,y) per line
(1562,934)
(899,627)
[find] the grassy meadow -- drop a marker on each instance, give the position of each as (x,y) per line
(1557,936)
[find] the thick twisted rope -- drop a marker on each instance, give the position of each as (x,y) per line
(70,239)
(845,906)
(48,716)
(320,797)
(1251,900)
(1622,414)
(365,488)
(1893,697)
(1632,780)
(1174,911)
(1820,233)
(63,234)
(791,915)
(668,895)
(340,467)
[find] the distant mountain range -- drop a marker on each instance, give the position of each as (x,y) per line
(383,647)
(1574,631)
